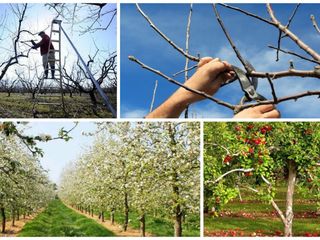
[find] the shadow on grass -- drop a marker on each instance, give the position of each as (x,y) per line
(59,221)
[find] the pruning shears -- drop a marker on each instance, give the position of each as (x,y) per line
(248,85)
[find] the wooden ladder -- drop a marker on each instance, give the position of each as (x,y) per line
(54,85)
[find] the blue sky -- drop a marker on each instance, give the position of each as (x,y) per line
(58,153)
(38,17)
(251,36)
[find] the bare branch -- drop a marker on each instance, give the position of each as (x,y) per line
(153,95)
(314,23)
(179,49)
(294,54)
(291,35)
(185,70)
(275,99)
(242,60)
(229,172)
(203,94)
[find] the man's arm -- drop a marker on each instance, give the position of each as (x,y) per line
(208,78)
(36,45)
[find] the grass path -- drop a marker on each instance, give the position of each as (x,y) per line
(115,228)
(57,220)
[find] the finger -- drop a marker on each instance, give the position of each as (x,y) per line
(220,66)
(204,60)
(272,114)
(264,108)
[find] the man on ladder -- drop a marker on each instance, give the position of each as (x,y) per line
(47,56)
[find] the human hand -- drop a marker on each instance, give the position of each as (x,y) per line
(262,111)
(208,78)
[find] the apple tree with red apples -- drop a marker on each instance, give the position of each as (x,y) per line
(258,157)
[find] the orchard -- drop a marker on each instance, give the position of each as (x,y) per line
(259,158)
(24,185)
(139,171)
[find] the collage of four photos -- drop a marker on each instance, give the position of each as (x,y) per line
(159,119)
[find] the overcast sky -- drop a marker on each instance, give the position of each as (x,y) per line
(58,153)
(251,36)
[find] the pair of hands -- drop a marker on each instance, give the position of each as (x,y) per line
(208,78)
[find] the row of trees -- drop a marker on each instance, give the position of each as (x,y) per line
(148,168)
(259,157)
(24,184)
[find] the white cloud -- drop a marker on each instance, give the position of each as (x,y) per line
(133,113)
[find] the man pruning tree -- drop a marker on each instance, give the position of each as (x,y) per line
(47,56)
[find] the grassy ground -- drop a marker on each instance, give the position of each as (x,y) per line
(59,221)
(160,226)
(251,217)
(20,106)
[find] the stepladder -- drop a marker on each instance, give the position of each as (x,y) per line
(50,91)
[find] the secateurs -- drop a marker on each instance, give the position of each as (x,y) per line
(248,85)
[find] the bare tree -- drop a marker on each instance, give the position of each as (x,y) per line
(99,16)
(16,51)
(7,85)
(104,72)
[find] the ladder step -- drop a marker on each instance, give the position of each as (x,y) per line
(56,21)
(55,41)
(44,103)
(57,31)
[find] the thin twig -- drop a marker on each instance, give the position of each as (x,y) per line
(242,60)
(153,95)
(291,35)
(187,51)
(314,23)
(175,46)
(185,70)
(275,99)
(294,54)
(247,13)
(203,94)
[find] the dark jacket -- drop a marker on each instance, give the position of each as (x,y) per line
(44,45)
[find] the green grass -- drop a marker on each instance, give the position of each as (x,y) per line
(20,106)
(159,226)
(57,220)
(268,225)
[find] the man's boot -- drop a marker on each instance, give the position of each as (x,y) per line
(46,73)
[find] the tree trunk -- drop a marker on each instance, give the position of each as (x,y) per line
(142,220)
(93,98)
(18,214)
(126,212)
(3,217)
(13,218)
(102,216)
(178,222)
(112,216)
(292,173)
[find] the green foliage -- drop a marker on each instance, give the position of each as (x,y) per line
(266,148)
(59,221)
